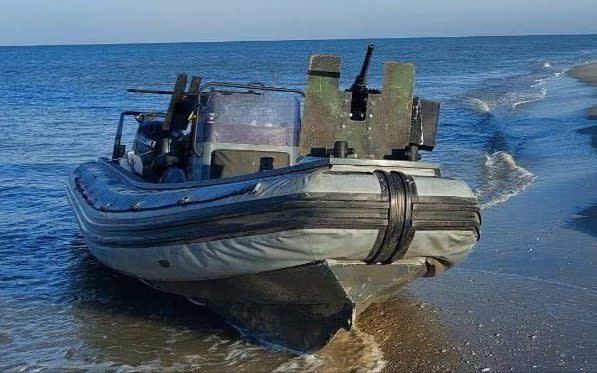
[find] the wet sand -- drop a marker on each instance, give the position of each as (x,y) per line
(588,74)
(487,321)
(412,337)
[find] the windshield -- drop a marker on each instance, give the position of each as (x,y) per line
(247,118)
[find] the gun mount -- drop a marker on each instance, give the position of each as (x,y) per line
(369,123)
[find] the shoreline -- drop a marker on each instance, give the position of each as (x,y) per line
(587,74)
(522,300)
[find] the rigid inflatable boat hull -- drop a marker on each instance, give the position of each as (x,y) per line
(271,221)
(288,256)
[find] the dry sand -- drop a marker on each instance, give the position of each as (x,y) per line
(588,74)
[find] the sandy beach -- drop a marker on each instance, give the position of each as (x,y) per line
(588,74)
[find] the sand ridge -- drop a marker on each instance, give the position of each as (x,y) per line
(586,73)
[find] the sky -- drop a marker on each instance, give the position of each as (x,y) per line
(34,22)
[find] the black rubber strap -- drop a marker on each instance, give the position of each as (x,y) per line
(408,212)
(408,230)
(381,234)
(399,217)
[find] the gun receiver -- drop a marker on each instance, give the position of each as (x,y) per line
(358,105)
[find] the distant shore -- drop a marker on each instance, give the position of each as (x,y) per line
(588,74)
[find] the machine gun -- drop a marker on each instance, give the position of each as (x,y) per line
(358,104)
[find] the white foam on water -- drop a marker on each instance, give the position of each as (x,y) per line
(240,351)
(540,84)
(303,363)
(504,179)
(527,100)
(514,93)
(348,351)
(479,105)
(543,81)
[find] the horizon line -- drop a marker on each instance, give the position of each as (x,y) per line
(285,40)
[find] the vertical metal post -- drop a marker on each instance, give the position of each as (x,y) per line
(118,150)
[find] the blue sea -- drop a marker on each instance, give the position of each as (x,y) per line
(512,125)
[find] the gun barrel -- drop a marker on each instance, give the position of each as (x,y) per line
(365,67)
(360,83)
(154,91)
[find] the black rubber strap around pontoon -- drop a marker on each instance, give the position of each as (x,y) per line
(408,212)
(408,230)
(381,233)
(393,241)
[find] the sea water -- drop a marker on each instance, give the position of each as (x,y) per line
(59,308)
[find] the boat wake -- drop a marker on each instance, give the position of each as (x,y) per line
(348,351)
(504,179)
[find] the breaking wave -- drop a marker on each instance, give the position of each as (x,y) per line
(504,179)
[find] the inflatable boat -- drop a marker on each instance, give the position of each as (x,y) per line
(286,219)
